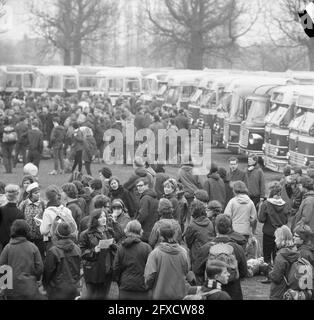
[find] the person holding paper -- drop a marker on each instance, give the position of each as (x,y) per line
(98,251)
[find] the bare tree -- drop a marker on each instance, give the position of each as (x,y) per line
(200,26)
(285,28)
(70,24)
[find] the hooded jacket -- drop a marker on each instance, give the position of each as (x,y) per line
(89,149)
(256,182)
(283,261)
(215,188)
(305,214)
(274,214)
(25,260)
(35,140)
(237,175)
(62,270)
(129,264)
(188,179)
(242,211)
(307,252)
(57,137)
(199,232)
(155,239)
(147,213)
(77,214)
(232,288)
(165,272)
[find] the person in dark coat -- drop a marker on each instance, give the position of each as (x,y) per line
(273,214)
(189,180)
(129,264)
(57,140)
(35,143)
(147,213)
(160,178)
(69,197)
(235,174)
(62,266)
(223,226)
(20,148)
(77,147)
(200,231)
(117,191)
(303,238)
(97,259)
(89,150)
(26,263)
(287,254)
(170,193)
(229,191)
(119,214)
(181,121)
(255,180)
(9,213)
(215,186)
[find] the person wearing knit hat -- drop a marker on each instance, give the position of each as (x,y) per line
(30,169)
(165,210)
(105,174)
(119,214)
(33,208)
(60,281)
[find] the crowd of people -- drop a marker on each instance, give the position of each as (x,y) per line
(156,236)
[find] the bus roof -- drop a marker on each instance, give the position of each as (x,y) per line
(306,97)
(57,70)
(121,72)
(88,70)
(18,68)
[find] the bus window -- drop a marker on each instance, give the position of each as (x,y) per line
(14,80)
(187,91)
(54,82)
(88,82)
(115,85)
(132,85)
(70,83)
(28,80)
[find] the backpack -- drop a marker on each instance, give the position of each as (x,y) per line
(64,214)
(225,252)
(9,135)
(300,280)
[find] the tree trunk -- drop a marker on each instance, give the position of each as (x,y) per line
(77,53)
(66,57)
(310,49)
(196,54)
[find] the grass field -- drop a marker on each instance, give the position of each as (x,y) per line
(252,288)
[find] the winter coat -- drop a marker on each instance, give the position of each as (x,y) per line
(199,232)
(8,214)
(129,264)
(57,137)
(77,141)
(62,270)
(274,214)
(232,288)
(77,214)
(175,205)
(305,214)
(27,266)
(190,181)
(181,121)
(155,239)
(21,129)
(89,148)
(229,190)
(307,252)
(256,182)
(35,140)
(165,272)
(124,195)
(242,211)
(237,175)
(147,213)
(123,220)
(215,188)
(293,197)
(160,178)
(97,266)
(283,261)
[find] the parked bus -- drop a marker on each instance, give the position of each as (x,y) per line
(282,108)
(56,79)
(119,82)
(88,77)
(16,77)
(301,130)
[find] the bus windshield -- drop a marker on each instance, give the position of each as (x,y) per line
(162,90)
(307,122)
(275,117)
(257,111)
(298,118)
(196,96)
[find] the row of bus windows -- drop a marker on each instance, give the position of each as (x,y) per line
(15,80)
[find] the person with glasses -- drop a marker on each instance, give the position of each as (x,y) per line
(147,213)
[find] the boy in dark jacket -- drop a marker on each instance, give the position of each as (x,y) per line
(223,226)
(57,139)
(62,266)
(273,213)
(129,264)
(35,144)
(147,213)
